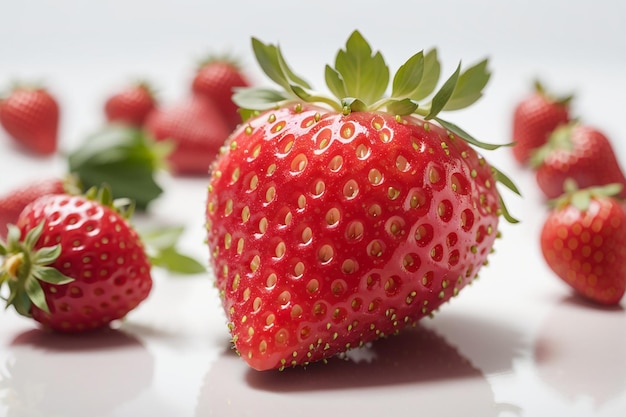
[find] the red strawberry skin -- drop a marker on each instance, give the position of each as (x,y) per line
(587,157)
(13,202)
(329,231)
(130,105)
(215,80)
(587,249)
(31,117)
(197,130)
(103,254)
(534,119)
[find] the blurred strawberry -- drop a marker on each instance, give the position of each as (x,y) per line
(215,79)
(131,105)
(30,115)
(13,202)
(197,130)
(535,117)
(579,152)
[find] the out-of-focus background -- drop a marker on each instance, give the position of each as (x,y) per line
(514,344)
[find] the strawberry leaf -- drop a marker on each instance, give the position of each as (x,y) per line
(401,107)
(258,98)
(174,261)
(444,94)
(430,78)
(469,87)
(365,75)
(467,137)
(50,275)
(35,293)
(408,78)
(47,255)
(335,82)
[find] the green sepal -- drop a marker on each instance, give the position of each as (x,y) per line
(467,137)
(469,87)
(444,94)
(581,198)
(258,99)
(402,107)
(408,77)
(503,179)
(559,139)
(430,78)
(365,74)
(126,158)
(23,268)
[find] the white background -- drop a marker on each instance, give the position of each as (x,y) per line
(521,346)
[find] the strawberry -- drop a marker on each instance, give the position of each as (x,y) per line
(13,202)
(197,130)
(579,152)
(131,105)
(30,115)
(534,118)
(583,240)
(73,263)
(215,79)
(331,225)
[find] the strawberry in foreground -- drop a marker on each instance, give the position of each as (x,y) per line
(215,79)
(583,240)
(30,115)
(131,105)
(579,152)
(335,223)
(535,118)
(73,263)
(195,128)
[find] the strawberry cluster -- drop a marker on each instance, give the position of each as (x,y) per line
(583,239)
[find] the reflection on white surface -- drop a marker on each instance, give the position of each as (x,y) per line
(580,351)
(51,375)
(414,371)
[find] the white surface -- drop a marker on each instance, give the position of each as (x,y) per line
(513,344)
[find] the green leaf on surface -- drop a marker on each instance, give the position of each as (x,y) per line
(174,261)
(402,107)
(365,75)
(162,238)
(124,158)
(469,87)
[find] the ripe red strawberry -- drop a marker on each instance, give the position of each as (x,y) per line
(583,241)
(13,202)
(196,129)
(579,152)
(30,115)
(534,119)
(333,226)
(131,105)
(74,264)
(215,79)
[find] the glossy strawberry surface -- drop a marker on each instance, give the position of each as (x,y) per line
(99,250)
(329,230)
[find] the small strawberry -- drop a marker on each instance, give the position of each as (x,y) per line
(131,105)
(73,263)
(13,202)
(30,115)
(332,226)
(579,152)
(215,79)
(583,240)
(534,119)
(196,129)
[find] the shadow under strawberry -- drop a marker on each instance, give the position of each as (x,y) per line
(92,374)
(417,368)
(580,351)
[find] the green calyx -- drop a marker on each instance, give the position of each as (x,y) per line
(24,268)
(559,139)
(581,198)
(563,100)
(360,80)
